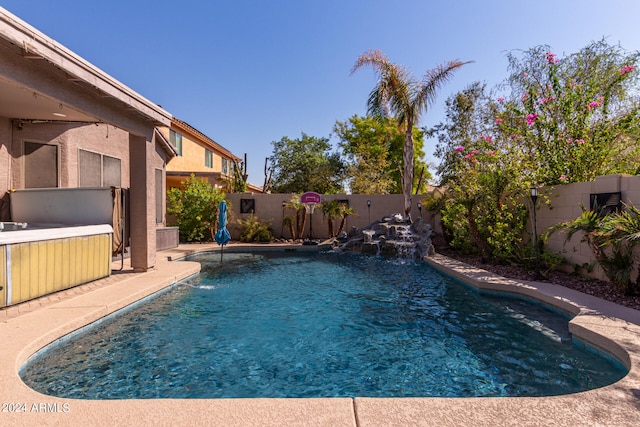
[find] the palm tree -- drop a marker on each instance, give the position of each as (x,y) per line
(344,211)
(287,221)
(399,94)
(300,212)
(612,239)
(623,230)
(625,226)
(331,211)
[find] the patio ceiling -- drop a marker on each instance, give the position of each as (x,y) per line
(18,102)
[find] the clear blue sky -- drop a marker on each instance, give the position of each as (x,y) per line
(248,72)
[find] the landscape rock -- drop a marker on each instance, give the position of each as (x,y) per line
(393,236)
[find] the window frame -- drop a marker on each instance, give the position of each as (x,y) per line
(175,139)
(102,167)
(208,158)
(58,160)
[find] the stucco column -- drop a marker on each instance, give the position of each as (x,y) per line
(142,203)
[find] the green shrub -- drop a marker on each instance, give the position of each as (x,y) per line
(613,238)
(196,208)
(456,228)
(503,227)
(525,255)
(253,230)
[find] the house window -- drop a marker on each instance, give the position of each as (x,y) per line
(98,170)
(111,172)
(176,140)
(89,169)
(208,158)
(225,166)
(40,165)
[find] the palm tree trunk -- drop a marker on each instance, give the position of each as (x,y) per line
(343,222)
(298,225)
(407,177)
(302,222)
(330,225)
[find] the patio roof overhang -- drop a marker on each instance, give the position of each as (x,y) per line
(41,80)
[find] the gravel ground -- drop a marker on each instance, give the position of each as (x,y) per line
(598,288)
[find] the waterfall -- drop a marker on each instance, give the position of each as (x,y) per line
(393,236)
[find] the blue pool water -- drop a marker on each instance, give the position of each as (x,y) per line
(321,325)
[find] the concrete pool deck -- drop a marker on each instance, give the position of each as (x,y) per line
(26,328)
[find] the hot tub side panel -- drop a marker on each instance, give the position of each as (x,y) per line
(34,269)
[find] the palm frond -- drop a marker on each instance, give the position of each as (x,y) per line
(377,104)
(391,95)
(374,58)
(588,222)
(625,225)
(433,80)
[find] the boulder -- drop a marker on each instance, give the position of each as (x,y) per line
(393,236)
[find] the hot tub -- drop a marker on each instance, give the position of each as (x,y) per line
(39,259)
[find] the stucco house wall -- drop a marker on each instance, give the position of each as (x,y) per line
(101,138)
(5,156)
(192,158)
(51,95)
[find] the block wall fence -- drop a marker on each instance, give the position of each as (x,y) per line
(564,203)
(269,207)
(555,204)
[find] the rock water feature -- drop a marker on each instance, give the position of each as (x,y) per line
(393,236)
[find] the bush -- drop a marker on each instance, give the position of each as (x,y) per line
(456,228)
(613,238)
(196,208)
(253,230)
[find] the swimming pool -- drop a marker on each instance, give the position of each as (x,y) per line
(272,325)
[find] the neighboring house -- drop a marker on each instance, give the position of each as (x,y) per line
(198,155)
(201,156)
(64,123)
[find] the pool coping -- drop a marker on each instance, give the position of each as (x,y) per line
(38,323)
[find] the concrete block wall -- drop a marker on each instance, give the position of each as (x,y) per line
(555,205)
(268,207)
(563,203)
(630,188)
(167,238)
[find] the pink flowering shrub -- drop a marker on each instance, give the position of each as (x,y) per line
(626,69)
(563,121)
(551,58)
(561,102)
(595,104)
